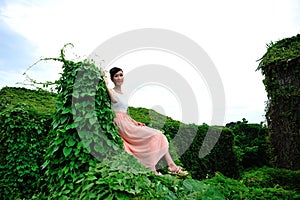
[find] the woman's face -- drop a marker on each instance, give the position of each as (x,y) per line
(118,78)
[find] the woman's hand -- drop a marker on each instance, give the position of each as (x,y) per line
(105,78)
(106,82)
(139,123)
(110,93)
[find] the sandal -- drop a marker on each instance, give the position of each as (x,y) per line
(158,173)
(178,171)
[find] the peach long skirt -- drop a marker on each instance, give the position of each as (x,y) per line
(148,145)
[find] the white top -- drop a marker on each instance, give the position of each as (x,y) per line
(122,104)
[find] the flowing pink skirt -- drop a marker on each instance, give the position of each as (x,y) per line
(148,145)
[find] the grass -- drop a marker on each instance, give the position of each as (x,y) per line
(40,101)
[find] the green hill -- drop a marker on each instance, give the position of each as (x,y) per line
(65,145)
(40,101)
(26,121)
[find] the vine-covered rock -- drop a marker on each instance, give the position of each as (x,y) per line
(251,144)
(83,131)
(281,68)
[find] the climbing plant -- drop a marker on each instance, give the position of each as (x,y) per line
(280,66)
(25,119)
(22,147)
(82,129)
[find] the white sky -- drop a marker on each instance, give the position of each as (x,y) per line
(233,33)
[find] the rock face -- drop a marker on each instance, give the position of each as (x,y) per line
(281,68)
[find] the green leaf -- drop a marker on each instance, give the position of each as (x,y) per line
(71,126)
(91,178)
(67,151)
(58,141)
(45,164)
(63,119)
(70,142)
(88,186)
(80,180)
(55,124)
(93,120)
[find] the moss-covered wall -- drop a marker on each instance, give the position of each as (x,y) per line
(281,68)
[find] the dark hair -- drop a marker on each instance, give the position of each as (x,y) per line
(113,71)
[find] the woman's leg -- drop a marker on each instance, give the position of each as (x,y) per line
(169,160)
(172,167)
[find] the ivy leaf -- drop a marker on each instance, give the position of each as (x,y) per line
(93,120)
(55,123)
(88,186)
(58,141)
(71,126)
(70,142)
(45,164)
(67,151)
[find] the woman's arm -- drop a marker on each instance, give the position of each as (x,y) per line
(111,95)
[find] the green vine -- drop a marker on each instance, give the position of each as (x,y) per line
(83,131)
(22,147)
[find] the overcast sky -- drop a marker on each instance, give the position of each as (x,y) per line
(233,33)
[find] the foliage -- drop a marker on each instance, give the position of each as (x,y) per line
(140,114)
(222,158)
(81,125)
(73,151)
(83,104)
(40,101)
(281,67)
(272,178)
(23,141)
(251,186)
(127,179)
(282,51)
(156,120)
(251,143)
(234,189)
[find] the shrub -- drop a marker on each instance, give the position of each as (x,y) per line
(189,139)
(234,189)
(222,157)
(272,178)
(251,144)
(125,178)
(23,134)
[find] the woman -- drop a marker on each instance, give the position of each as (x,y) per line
(148,145)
